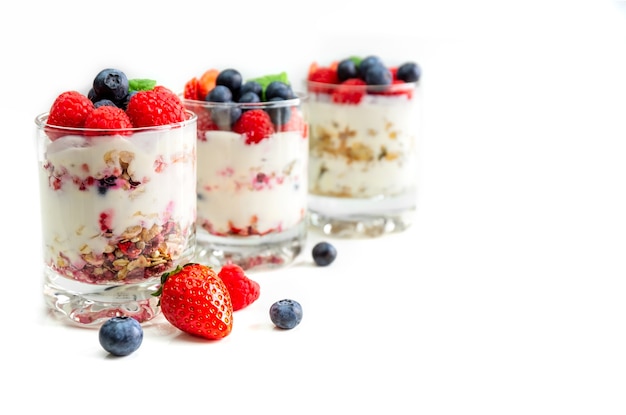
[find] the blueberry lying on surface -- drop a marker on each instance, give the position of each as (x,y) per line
(324,253)
(121,336)
(286,314)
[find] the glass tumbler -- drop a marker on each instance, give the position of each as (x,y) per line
(118,210)
(252,182)
(363,160)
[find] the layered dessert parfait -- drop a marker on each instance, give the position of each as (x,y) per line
(364,133)
(252,168)
(117,168)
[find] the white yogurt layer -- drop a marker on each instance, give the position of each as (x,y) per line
(367,150)
(258,188)
(151,182)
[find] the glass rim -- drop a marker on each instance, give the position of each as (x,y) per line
(394,87)
(300,97)
(41,122)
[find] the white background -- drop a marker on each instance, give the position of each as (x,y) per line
(506,297)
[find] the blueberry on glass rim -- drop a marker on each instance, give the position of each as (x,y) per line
(409,72)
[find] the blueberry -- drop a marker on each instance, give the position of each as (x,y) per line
(367,63)
(225,116)
(105,183)
(251,86)
(324,253)
(111,84)
(104,102)
(248,97)
(286,314)
(121,336)
(280,114)
(123,104)
(347,69)
(278,89)
(409,72)
(230,78)
(378,75)
(220,93)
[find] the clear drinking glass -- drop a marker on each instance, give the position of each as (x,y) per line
(252,187)
(363,158)
(118,210)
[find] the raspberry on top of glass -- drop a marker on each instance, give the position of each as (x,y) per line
(116,103)
(252,153)
(117,180)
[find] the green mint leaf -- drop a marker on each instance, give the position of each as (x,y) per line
(264,81)
(356,59)
(141,85)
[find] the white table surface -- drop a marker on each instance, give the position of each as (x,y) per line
(507,296)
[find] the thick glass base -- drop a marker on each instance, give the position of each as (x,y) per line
(91,305)
(360,226)
(255,251)
(353,218)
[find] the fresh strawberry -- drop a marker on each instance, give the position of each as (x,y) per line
(195,300)
(256,124)
(70,109)
(108,118)
(159,106)
(206,83)
(312,68)
(243,291)
(350,91)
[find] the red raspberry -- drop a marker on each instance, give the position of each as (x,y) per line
(322,75)
(165,90)
(159,106)
(243,291)
(205,122)
(398,91)
(70,109)
(108,118)
(295,123)
(191,90)
(394,72)
(255,124)
(350,91)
